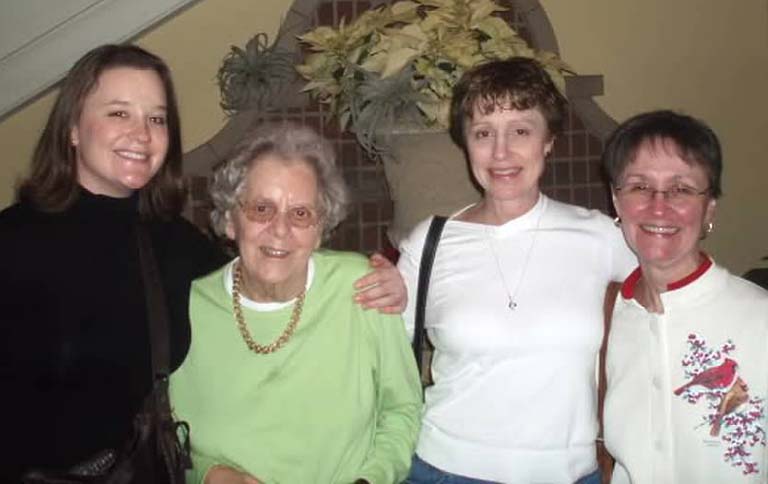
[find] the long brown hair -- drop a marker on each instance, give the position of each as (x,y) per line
(52,185)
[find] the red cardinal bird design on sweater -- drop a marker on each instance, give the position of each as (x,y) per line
(718,377)
(731,414)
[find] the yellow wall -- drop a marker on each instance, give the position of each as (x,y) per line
(193,44)
(704,57)
(18,135)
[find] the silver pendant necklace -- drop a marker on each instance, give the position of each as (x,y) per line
(512,295)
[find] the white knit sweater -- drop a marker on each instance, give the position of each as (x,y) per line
(514,394)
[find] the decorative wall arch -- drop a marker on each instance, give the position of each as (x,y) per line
(573,174)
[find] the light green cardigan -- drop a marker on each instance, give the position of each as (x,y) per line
(339,402)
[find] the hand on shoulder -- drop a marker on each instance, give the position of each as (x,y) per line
(221,474)
(383,288)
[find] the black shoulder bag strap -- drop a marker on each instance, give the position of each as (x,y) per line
(157,311)
(425,271)
(172,438)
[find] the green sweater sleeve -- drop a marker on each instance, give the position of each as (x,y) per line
(399,404)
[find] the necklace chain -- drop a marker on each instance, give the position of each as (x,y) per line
(237,281)
(512,296)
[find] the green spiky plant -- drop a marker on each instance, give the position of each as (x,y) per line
(250,78)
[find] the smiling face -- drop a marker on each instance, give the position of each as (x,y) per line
(121,137)
(275,254)
(664,234)
(506,149)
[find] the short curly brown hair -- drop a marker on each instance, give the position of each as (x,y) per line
(519,82)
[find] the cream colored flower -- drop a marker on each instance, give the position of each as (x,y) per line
(432,41)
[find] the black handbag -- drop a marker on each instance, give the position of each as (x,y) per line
(420,340)
(158,450)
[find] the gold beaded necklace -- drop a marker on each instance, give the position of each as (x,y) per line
(238,310)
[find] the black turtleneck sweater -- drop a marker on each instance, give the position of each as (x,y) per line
(74,345)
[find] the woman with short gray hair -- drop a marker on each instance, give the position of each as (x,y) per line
(287,379)
(288,142)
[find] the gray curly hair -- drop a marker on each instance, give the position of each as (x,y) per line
(287,141)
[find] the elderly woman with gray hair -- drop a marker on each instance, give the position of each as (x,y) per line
(287,379)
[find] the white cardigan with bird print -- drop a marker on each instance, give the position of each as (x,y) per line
(687,389)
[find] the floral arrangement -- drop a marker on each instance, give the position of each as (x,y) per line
(397,64)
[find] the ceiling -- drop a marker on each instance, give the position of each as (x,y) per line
(41,39)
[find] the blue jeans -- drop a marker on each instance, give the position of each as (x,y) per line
(424,473)
(594,478)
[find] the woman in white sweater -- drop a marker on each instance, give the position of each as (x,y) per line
(687,358)
(515,300)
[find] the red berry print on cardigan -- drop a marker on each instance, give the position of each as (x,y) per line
(731,413)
